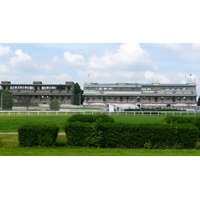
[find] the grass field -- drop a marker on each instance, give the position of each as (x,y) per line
(13,122)
(9,147)
(9,143)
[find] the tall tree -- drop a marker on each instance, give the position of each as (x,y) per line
(55,105)
(198,102)
(78,99)
(7,101)
(26,100)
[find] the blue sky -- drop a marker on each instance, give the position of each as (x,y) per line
(99,62)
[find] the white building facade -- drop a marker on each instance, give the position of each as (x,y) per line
(154,95)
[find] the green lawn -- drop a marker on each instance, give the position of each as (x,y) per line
(9,145)
(12,123)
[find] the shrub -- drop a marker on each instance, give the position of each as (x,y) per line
(198,145)
(30,135)
(185,136)
(134,135)
(179,119)
(55,105)
(196,122)
(90,118)
(121,135)
(79,134)
(148,145)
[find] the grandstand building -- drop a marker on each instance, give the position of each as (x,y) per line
(154,95)
(41,93)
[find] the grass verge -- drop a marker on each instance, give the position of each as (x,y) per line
(9,146)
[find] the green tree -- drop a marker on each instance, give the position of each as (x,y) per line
(7,100)
(26,100)
(55,105)
(198,102)
(78,99)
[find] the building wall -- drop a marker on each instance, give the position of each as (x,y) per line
(142,94)
(41,93)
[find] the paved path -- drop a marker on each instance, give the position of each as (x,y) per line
(17,133)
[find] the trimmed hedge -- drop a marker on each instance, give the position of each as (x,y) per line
(158,135)
(196,122)
(79,134)
(120,135)
(44,135)
(179,119)
(91,118)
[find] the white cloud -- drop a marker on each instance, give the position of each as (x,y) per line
(73,59)
(127,56)
(169,46)
(186,52)
(93,74)
(59,78)
(63,77)
(4,51)
(184,78)
(46,68)
(3,69)
(150,75)
(19,57)
(196,46)
(126,63)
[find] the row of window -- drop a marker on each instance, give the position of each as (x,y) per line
(142,98)
(47,97)
(135,88)
(39,88)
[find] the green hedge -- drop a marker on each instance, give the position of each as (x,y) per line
(156,135)
(30,135)
(90,118)
(79,134)
(179,119)
(196,122)
(120,135)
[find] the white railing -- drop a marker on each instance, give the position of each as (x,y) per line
(97,112)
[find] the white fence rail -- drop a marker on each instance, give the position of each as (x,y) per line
(97,112)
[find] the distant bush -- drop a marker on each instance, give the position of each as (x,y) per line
(55,105)
(30,135)
(90,118)
(120,135)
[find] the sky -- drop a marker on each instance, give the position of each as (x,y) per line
(100,62)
